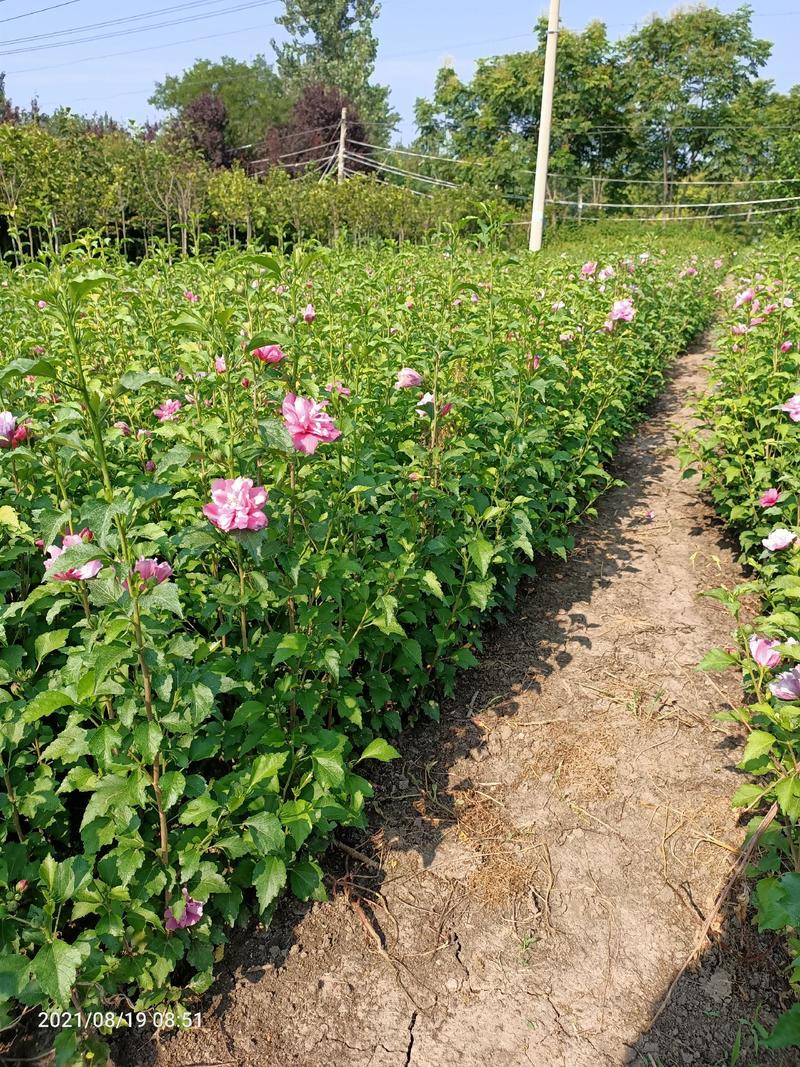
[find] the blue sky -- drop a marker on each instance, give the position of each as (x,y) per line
(117,74)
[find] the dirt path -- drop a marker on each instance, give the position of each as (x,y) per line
(548,852)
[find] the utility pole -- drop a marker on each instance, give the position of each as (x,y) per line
(545,119)
(342,139)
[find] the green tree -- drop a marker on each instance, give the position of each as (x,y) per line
(685,74)
(252,93)
(332,43)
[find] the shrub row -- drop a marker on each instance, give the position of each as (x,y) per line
(254,512)
(747,450)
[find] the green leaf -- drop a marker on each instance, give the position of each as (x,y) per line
(133,380)
(14,974)
(433,583)
(173,784)
(267,831)
(291,646)
(45,704)
(269,878)
(198,811)
(55,967)
(716,660)
(49,642)
(163,597)
(274,435)
(479,593)
(147,736)
(758,744)
(786,1032)
(481,553)
(305,879)
(380,750)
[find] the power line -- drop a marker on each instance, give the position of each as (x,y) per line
(132,51)
(90,26)
(688,182)
(140,29)
(682,206)
(39,11)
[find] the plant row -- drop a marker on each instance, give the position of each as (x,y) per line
(254,512)
(747,450)
(139,192)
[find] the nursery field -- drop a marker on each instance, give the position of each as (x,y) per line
(255,510)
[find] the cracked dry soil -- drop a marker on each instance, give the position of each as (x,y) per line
(540,865)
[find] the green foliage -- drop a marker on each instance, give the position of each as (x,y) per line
(747,442)
(253,95)
(175,756)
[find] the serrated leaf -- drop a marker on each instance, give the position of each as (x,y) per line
(269,878)
(380,750)
(267,831)
(55,967)
(45,704)
(49,642)
(481,553)
(305,879)
(433,583)
(716,659)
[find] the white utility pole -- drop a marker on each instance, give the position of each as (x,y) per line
(545,119)
(342,139)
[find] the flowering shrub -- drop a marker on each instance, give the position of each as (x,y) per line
(747,449)
(255,575)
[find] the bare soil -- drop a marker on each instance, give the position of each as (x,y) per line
(539,867)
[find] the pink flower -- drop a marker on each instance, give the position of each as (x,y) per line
(337,387)
(534,362)
(21,885)
(269,354)
(622,311)
(144,435)
(236,505)
(168,410)
(745,297)
(408,378)
(787,685)
(219,365)
(688,272)
(792,407)
(558,305)
(474,298)
(190,296)
(123,428)
(588,269)
(425,401)
(245,383)
(41,304)
(787,346)
(11,434)
(763,651)
(740,329)
(769,498)
(606,273)
(151,571)
(649,515)
(38,350)
(779,539)
(309,313)
(788,302)
(192,913)
(409,303)
(717,264)
(150,466)
(307,423)
(566,337)
(72,574)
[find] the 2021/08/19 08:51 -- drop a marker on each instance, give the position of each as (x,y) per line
(112,1020)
